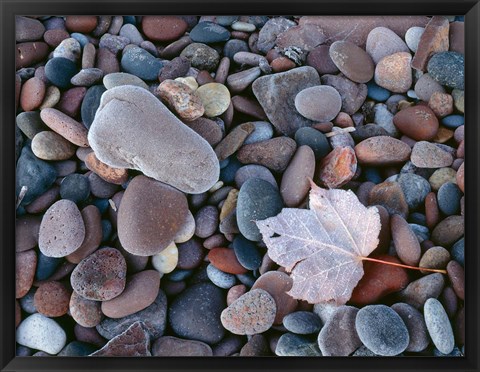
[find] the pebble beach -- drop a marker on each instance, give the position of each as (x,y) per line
(147,148)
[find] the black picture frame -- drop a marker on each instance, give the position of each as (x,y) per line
(8,10)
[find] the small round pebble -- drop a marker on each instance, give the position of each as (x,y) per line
(75,187)
(220,278)
(302,322)
(319,103)
(449,196)
(52,299)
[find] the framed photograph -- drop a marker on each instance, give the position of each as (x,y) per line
(239,186)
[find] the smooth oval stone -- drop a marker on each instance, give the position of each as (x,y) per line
(382,42)
(201,56)
(453,121)
(140,232)
(435,258)
(415,188)
(262,131)
(315,139)
(249,171)
(59,71)
(163,28)
(48,145)
(140,292)
(417,329)
(239,81)
(290,344)
(166,261)
(51,299)
(190,254)
(169,346)
(69,48)
(116,79)
(207,129)
(123,105)
(417,122)
(390,196)
(234,46)
(319,58)
(220,278)
(209,32)
(449,196)
(225,259)
(75,187)
(154,317)
(41,333)
(181,99)
(338,336)
(32,94)
(177,67)
(412,37)
(195,313)
(84,24)
(277,284)
(302,322)
(382,330)
(428,155)
(257,200)
(426,86)
(28,29)
(252,313)
(90,104)
(381,151)
(85,312)
(62,230)
(458,252)
(393,72)
(247,253)
(87,77)
(352,61)
(377,93)
(37,175)
(319,103)
(448,69)
(25,267)
(30,123)
(46,266)
(64,125)
(215,98)
(438,325)
(456,274)
(139,62)
(206,221)
(418,291)
(100,276)
(30,53)
(405,241)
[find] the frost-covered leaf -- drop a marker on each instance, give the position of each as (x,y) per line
(323,247)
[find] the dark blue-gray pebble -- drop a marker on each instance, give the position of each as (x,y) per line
(46,266)
(415,188)
(257,200)
(456,352)
(376,92)
(302,322)
(372,175)
(18,142)
(37,175)
(453,121)
(101,203)
(139,62)
(263,131)
(363,132)
(90,104)
(224,163)
(106,230)
(448,69)
(27,302)
(178,275)
(75,187)
(382,330)
(315,139)
(60,70)
(248,279)
(417,218)
(226,20)
(234,46)
(422,232)
(458,251)
(258,21)
(129,19)
(81,38)
(195,313)
(448,197)
(219,278)
(290,344)
(247,253)
(209,32)
(227,174)
(77,349)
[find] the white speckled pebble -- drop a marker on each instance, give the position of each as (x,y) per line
(41,333)
(243,26)
(412,37)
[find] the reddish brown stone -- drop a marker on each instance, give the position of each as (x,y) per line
(140,292)
(457,37)
(382,151)
(33,92)
(235,292)
(86,313)
(249,106)
(169,346)
(225,260)
(83,24)
(71,101)
(319,59)
(295,180)
(461,177)
(117,176)
(55,37)
(234,140)
(51,299)
(25,266)
(282,64)
(406,242)
(278,284)
(343,120)
(441,104)
(26,232)
(352,61)
(433,40)
(378,281)
(456,275)
(106,61)
(207,129)
(432,213)
(461,150)
(64,125)
(30,53)
(88,335)
(417,122)
(390,196)
(163,28)
(204,77)
(93,234)
(338,167)
(274,154)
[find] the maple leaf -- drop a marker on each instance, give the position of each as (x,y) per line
(323,247)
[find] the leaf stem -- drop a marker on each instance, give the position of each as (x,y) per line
(404,266)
